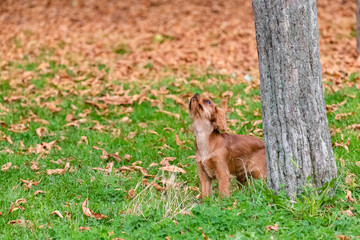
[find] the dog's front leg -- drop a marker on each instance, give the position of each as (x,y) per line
(205,181)
(223,176)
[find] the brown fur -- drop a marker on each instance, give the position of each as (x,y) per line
(220,155)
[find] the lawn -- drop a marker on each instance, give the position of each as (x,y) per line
(110,140)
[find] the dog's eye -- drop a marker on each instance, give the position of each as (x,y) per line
(207,101)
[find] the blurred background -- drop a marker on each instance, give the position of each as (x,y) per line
(151,39)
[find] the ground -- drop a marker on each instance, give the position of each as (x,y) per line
(93,115)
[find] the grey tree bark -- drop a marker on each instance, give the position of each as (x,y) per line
(296,131)
(358,25)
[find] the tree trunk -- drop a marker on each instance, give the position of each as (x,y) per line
(358,25)
(296,131)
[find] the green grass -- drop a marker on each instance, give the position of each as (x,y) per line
(174,213)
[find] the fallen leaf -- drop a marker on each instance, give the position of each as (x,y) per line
(20,201)
(57,213)
(334,107)
(348,212)
(89,213)
(107,169)
(131,135)
(22,223)
(127,156)
(342,143)
(165,161)
(342,115)
(15,207)
(175,115)
(38,191)
(275,227)
(172,168)
(350,180)
(158,187)
(19,128)
(41,131)
(29,184)
(59,161)
(59,170)
(83,140)
(117,100)
(142,125)
(131,193)
(84,228)
(349,196)
(34,166)
(6,167)
(343,237)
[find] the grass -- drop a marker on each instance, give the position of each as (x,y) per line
(149,213)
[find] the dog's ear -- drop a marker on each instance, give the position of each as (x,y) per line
(220,119)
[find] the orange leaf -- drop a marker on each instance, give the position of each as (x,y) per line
(89,213)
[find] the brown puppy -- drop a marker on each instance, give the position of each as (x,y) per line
(220,155)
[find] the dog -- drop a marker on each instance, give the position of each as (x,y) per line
(222,155)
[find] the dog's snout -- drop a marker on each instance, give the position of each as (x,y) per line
(195,97)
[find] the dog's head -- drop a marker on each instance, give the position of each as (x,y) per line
(204,109)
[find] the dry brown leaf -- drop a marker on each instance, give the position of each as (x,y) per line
(76,123)
(350,180)
(343,115)
(15,207)
(117,100)
(34,166)
(95,104)
(57,212)
(124,168)
(20,201)
(19,128)
(178,141)
(59,161)
(107,170)
(89,213)
(275,227)
(153,132)
(22,223)
(153,164)
(41,131)
(59,170)
(178,100)
(172,168)
(342,162)
(142,125)
(349,196)
(158,187)
(127,156)
(343,237)
(52,107)
(104,155)
(1,215)
(38,191)
(342,143)
(29,184)
(6,167)
(175,115)
(83,140)
(348,212)
(334,107)
(69,118)
(131,135)
(131,193)
(84,228)
(165,161)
